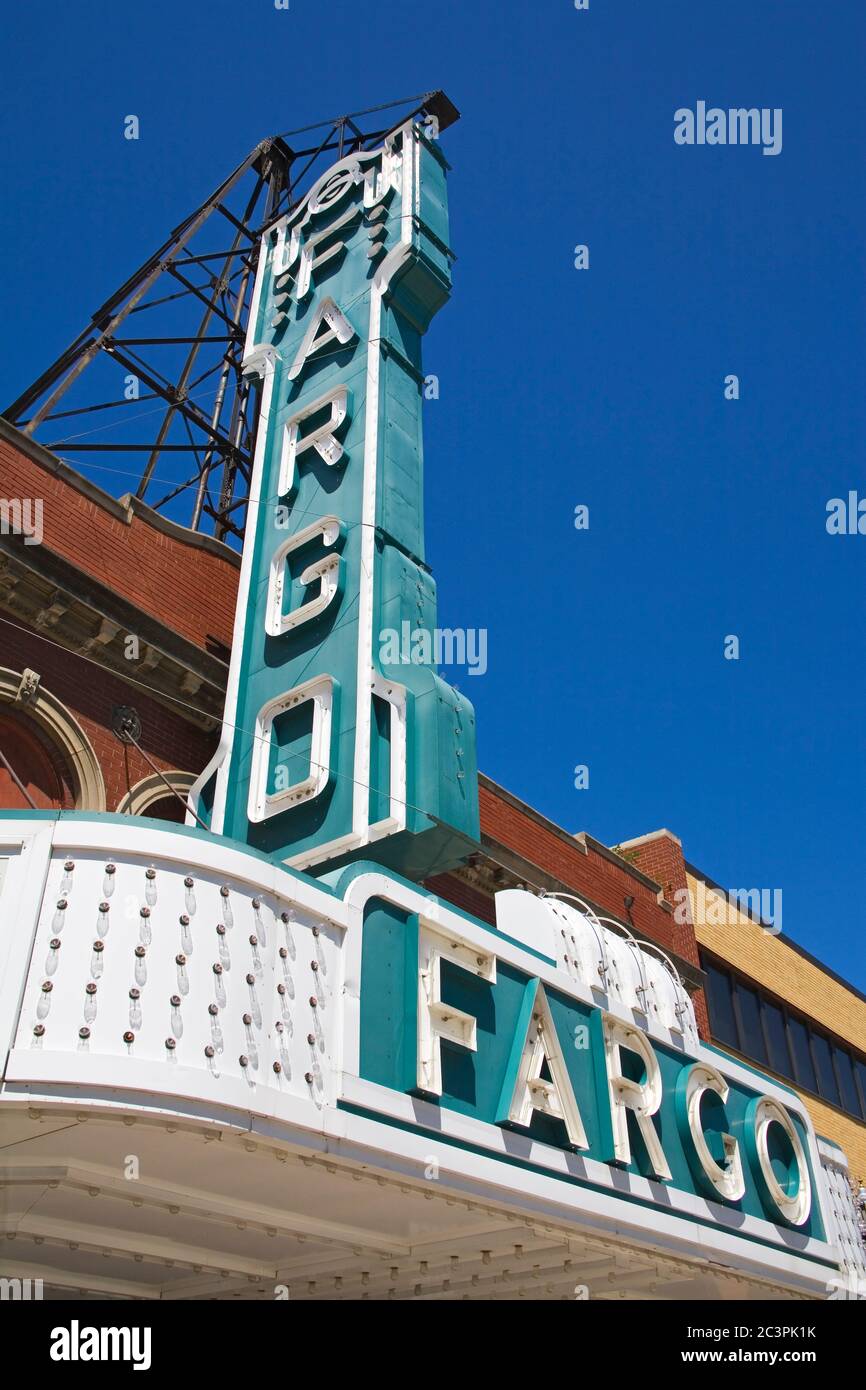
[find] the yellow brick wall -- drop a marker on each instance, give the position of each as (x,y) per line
(848,1133)
(735,938)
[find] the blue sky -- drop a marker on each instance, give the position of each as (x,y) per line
(559,387)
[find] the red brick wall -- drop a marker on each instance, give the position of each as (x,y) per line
(587,873)
(89,694)
(464,896)
(188,588)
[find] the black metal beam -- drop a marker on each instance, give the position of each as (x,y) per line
(262,186)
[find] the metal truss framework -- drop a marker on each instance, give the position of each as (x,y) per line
(186,357)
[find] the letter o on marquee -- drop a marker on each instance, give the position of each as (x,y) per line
(769,1131)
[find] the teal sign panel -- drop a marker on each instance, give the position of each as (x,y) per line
(754,1145)
(335,743)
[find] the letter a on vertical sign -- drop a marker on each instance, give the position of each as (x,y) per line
(330,752)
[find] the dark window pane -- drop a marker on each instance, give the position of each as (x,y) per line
(721,1009)
(860,1069)
(750,1021)
(845,1073)
(827,1084)
(805,1072)
(774,1024)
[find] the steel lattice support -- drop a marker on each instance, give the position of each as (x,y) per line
(195,291)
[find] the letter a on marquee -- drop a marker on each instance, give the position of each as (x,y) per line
(525,1089)
(338,330)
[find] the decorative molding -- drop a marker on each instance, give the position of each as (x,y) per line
(152,789)
(37,588)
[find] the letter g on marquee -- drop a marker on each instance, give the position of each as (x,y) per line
(725,1179)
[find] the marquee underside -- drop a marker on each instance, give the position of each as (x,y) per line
(218,1213)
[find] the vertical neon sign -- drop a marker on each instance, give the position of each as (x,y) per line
(327,751)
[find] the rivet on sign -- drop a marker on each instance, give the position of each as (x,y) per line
(257,902)
(212,1010)
(209,1051)
(316,931)
(277,1068)
(150,873)
(221,931)
(84,1032)
(308,1077)
(311,1039)
(281,989)
(284,916)
(175,1001)
(248,1019)
(224,892)
(98,946)
(189,883)
(254,941)
(69,866)
(62,904)
(135,994)
(55,943)
(314,1003)
(283,953)
(170,1044)
(217,970)
(251,979)
(47,987)
(111,869)
(90,989)
(140,952)
(183,919)
(244,1061)
(104,907)
(129,1037)
(314,965)
(144,912)
(39,1030)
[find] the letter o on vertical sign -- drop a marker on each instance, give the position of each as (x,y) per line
(770,1135)
(693,1085)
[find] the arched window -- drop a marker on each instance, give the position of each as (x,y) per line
(46,748)
(33,764)
(150,797)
